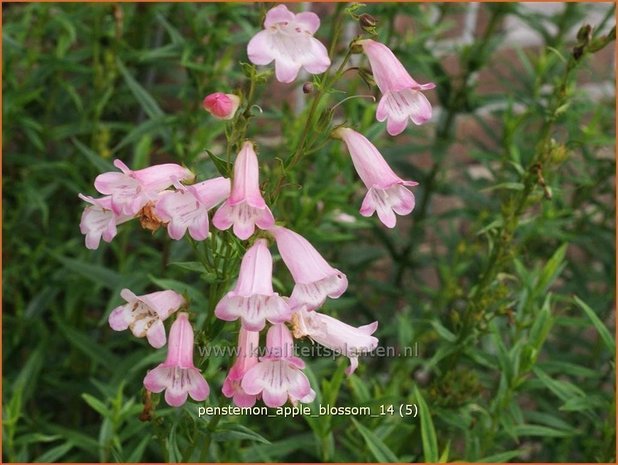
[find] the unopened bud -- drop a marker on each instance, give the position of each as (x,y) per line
(368,23)
(220,105)
(307,87)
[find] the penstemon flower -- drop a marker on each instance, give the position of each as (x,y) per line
(402,99)
(245,208)
(99,221)
(387,193)
(220,105)
(314,278)
(278,376)
(177,375)
(253,299)
(132,190)
(288,39)
(336,335)
(248,346)
(187,207)
(144,315)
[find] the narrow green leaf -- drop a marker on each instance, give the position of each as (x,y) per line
(607,338)
(379,450)
(428,432)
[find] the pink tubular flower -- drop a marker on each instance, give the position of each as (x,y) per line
(177,375)
(245,208)
(144,314)
(248,346)
(402,98)
(288,39)
(99,221)
(386,193)
(314,278)
(336,335)
(187,207)
(220,105)
(278,376)
(131,190)
(253,299)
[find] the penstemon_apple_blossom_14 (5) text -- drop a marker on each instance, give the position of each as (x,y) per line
(232,211)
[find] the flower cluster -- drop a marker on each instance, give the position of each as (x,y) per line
(167,195)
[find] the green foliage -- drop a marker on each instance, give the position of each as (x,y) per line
(502,277)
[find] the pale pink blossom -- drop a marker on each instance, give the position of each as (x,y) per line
(99,221)
(402,99)
(187,207)
(132,190)
(247,358)
(288,39)
(278,376)
(245,208)
(387,193)
(314,278)
(336,335)
(220,105)
(144,315)
(177,375)
(253,299)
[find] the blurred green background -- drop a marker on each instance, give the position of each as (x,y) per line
(503,276)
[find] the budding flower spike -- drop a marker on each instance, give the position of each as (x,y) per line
(245,208)
(278,376)
(402,99)
(314,278)
(132,190)
(144,315)
(187,207)
(387,193)
(221,106)
(99,221)
(253,299)
(247,358)
(288,39)
(336,335)
(177,375)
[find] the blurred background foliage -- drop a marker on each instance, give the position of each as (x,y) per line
(503,276)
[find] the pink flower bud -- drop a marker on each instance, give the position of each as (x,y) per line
(220,105)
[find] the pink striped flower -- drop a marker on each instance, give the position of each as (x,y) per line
(245,208)
(177,375)
(99,221)
(387,193)
(336,335)
(402,99)
(220,105)
(247,358)
(314,278)
(253,299)
(132,190)
(187,207)
(144,315)
(288,39)
(278,376)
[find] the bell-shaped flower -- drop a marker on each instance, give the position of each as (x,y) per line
(288,39)
(402,99)
(386,193)
(278,376)
(314,278)
(336,335)
(132,190)
(246,358)
(177,375)
(220,105)
(99,221)
(245,207)
(144,314)
(252,299)
(187,207)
